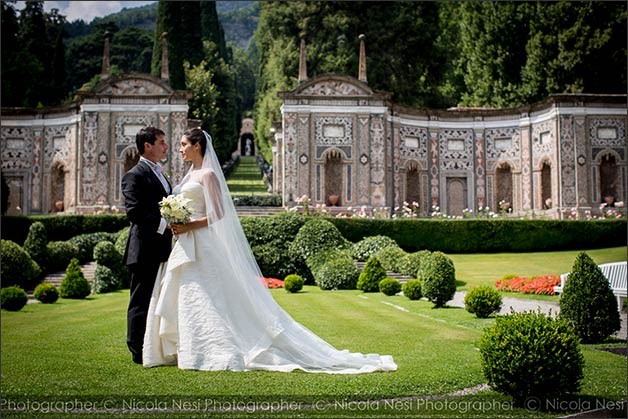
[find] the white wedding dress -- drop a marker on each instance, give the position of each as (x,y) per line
(202,316)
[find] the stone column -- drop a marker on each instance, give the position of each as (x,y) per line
(106,65)
(165,72)
(302,62)
(362,65)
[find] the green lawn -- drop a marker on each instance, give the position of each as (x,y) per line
(484,269)
(74,351)
(246,179)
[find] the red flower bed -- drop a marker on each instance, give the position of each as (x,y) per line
(535,285)
(273,283)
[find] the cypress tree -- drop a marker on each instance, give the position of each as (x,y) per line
(588,303)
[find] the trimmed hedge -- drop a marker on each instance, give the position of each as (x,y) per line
(62,227)
(17,267)
(257,201)
(488,236)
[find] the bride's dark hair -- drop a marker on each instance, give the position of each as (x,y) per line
(196,135)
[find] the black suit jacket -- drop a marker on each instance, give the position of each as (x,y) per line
(142,192)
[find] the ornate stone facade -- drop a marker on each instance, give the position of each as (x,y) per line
(79,153)
(543,157)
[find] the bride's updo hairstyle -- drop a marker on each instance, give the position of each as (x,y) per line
(197,136)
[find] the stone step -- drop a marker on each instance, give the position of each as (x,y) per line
(55,278)
(401,278)
(258,211)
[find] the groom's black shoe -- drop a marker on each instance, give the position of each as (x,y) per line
(137,358)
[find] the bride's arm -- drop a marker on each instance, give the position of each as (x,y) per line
(215,194)
(192,225)
(210,181)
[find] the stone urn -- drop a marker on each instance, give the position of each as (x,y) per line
(333,200)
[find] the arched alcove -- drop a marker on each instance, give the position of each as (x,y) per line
(546,186)
(608,177)
(247,144)
(57,187)
(503,184)
(412,184)
(333,178)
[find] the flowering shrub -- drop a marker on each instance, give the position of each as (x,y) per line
(273,283)
(536,285)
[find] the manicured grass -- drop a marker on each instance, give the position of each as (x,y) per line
(76,350)
(246,179)
(484,269)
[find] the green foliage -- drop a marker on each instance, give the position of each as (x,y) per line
(87,242)
(389,286)
(488,236)
(13,298)
(483,301)
(519,52)
(74,284)
(17,267)
(270,239)
(334,271)
(371,275)
(105,280)
(531,355)
(316,235)
(60,253)
(413,263)
(438,279)
(273,261)
(112,273)
(588,303)
(32,55)
(120,243)
(293,283)
(62,227)
(46,292)
(412,289)
(257,200)
(35,245)
(369,246)
(391,257)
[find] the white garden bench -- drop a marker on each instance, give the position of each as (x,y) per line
(616,275)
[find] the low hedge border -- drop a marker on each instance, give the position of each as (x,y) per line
(488,236)
(62,227)
(449,236)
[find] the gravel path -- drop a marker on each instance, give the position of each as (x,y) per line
(521,304)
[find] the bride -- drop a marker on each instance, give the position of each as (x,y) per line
(210,309)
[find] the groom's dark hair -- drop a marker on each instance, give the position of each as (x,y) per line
(147,135)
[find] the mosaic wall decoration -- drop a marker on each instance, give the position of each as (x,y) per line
(503,144)
(17,148)
(456,149)
(333,88)
(608,133)
(378,162)
(333,130)
(134,87)
(567,160)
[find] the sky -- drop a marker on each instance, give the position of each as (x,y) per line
(87,10)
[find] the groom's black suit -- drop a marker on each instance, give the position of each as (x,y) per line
(145,248)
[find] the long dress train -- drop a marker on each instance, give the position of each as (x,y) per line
(201,318)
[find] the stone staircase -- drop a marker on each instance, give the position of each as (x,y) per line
(258,211)
(390,274)
(88,271)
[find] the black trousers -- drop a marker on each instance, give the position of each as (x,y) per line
(142,281)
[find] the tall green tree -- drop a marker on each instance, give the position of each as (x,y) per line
(182,22)
(12,57)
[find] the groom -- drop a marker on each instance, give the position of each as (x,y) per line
(150,239)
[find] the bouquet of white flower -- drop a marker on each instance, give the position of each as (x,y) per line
(175,210)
